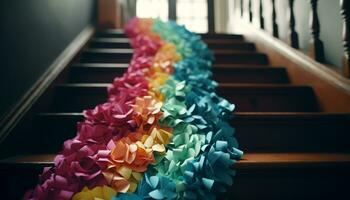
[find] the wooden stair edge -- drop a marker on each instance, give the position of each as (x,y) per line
(221,85)
(233,67)
(249,160)
(251,115)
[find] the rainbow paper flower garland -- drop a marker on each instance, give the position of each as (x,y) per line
(163,134)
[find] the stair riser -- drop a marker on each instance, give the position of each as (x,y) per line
(241,58)
(93,57)
(220,58)
(204,36)
(112,45)
(110,35)
(275,184)
(106,75)
(76,99)
(270,100)
(212,45)
(253,135)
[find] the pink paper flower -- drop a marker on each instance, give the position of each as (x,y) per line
(53,187)
(118,115)
(94,133)
(127,88)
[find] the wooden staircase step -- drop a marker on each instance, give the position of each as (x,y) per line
(238,46)
(234,65)
(109,43)
(256,132)
(269,97)
(97,55)
(111,33)
(245,74)
(106,72)
(239,57)
(105,55)
(221,36)
(75,97)
(212,44)
(248,162)
(268,175)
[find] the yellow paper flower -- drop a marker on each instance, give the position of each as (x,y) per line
(97,193)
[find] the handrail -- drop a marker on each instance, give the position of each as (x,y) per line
(316,46)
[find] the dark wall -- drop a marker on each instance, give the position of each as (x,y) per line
(33,34)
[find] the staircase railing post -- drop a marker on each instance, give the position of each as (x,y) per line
(316,45)
(211,19)
(274,23)
(344,4)
(172,9)
(293,35)
(261,15)
(250,11)
(242,8)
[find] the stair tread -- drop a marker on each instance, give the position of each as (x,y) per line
(226,87)
(129,50)
(111,40)
(250,115)
(219,66)
(106,42)
(100,73)
(249,97)
(108,50)
(222,85)
(255,131)
(249,160)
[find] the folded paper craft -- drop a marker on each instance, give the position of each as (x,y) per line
(162,134)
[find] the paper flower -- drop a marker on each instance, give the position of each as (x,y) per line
(101,193)
(115,114)
(127,88)
(162,134)
(94,133)
(53,187)
(156,187)
(147,110)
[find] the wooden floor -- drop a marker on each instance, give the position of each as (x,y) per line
(293,150)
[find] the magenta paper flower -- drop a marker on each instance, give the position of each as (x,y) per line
(78,161)
(94,133)
(118,115)
(53,187)
(127,88)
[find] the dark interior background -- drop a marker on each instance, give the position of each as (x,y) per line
(33,34)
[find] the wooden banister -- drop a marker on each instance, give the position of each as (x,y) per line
(293,35)
(316,45)
(346,43)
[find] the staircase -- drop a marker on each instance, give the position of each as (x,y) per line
(293,150)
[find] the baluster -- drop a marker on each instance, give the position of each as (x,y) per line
(261,14)
(250,11)
(346,43)
(172,9)
(316,45)
(211,16)
(242,8)
(293,35)
(274,23)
